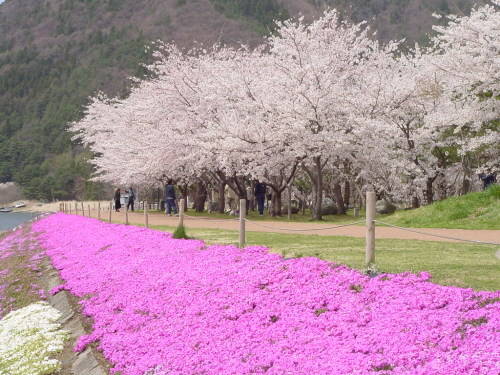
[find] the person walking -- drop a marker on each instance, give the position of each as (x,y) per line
(260,196)
(117,198)
(131,198)
(170,198)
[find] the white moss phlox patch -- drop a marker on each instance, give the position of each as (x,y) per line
(28,337)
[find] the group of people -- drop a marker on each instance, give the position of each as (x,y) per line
(170,198)
(131,199)
(259,192)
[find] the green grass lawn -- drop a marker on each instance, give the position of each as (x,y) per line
(463,265)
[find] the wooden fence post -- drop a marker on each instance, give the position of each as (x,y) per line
(181,213)
(371,201)
(126,215)
(76,208)
(89,210)
(145,205)
(98,210)
(243,210)
(83,211)
(110,209)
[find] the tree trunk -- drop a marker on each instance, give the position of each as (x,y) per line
(318,187)
(222,197)
(200,197)
(289,201)
(429,192)
(337,191)
(362,203)
(466,185)
(276,204)
(415,202)
(184,194)
(251,198)
(466,182)
(347,194)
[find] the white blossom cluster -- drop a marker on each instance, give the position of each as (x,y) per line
(322,99)
(28,338)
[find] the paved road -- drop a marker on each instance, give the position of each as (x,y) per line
(308,228)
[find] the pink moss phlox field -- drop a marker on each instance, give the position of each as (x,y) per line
(166,306)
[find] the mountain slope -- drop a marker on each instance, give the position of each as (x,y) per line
(54,54)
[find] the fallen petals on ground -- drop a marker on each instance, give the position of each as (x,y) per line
(166,306)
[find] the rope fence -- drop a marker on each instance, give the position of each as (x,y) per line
(369,223)
(210,220)
(302,230)
(435,235)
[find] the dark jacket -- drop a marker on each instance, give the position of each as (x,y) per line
(117,198)
(169,192)
(260,188)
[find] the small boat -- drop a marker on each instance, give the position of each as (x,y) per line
(5,209)
(20,204)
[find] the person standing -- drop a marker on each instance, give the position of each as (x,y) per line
(117,198)
(131,198)
(487,178)
(260,196)
(170,198)
(231,200)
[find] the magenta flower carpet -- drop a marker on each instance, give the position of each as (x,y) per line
(166,306)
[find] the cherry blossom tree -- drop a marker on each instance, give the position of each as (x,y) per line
(321,99)
(315,68)
(465,57)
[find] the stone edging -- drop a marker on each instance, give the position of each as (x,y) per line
(84,363)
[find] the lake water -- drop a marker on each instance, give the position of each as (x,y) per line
(10,220)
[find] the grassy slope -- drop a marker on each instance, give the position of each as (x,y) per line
(479,210)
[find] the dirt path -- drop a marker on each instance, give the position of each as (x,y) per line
(307,228)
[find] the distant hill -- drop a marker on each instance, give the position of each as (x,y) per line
(54,54)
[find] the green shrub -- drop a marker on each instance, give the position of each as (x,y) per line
(180,233)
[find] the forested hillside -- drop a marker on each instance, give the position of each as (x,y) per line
(55,54)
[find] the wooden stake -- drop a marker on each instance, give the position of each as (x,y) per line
(371,201)
(243,210)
